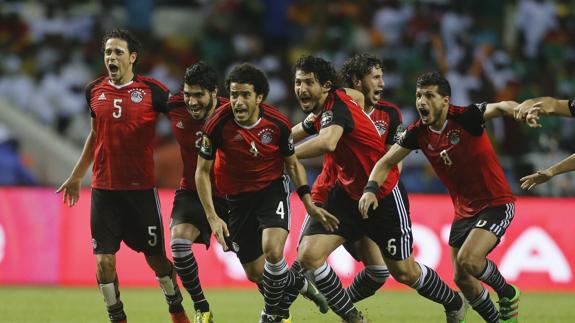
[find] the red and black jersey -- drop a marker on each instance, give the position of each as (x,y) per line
(359,147)
(188,133)
(125,122)
(387,119)
(463,158)
(249,158)
(572,107)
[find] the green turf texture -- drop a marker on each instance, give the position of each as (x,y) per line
(142,305)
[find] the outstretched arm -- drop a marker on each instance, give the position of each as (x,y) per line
(71,186)
(499,109)
(542,176)
(530,110)
(378,176)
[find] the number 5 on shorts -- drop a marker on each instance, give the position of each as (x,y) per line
(153,235)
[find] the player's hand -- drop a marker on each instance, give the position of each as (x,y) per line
(328,220)
(530,181)
(528,112)
(71,188)
(220,230)
(368,200)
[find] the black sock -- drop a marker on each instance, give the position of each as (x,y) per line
(367,282)
(330,286)
(430,286)
(485,307)
(187,268)
(492,277)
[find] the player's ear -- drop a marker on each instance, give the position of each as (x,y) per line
(133,57)
(259,98)
(327,86)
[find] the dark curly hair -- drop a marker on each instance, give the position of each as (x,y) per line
(247,73)
(358,66)
(435,78)
(321,69)
(134,44)
(202,74)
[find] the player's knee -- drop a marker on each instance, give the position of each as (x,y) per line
(404,276)
(254,276)
(470,262)
(462,278)
(274,254)
(310,261)
(184,231)
(106,268)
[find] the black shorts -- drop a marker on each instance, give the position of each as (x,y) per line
(188,209)
(132,216)
(389,226)
(251,212)
(493,219)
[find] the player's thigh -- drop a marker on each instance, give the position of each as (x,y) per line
(255,269)
(144,230)
(106,222)
(273,242)
(188,218)
(389,225)
(345,210)
(368,252)
(493,220)
(245,233)
(271,205)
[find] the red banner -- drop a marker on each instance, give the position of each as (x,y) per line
(42,241)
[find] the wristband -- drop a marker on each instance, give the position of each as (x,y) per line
(371,187)
(303,190)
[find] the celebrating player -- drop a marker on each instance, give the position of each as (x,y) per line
(188,112)
(124,107)
(455,143)
(253,144)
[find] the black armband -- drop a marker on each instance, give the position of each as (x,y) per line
(303,190)
(371,187)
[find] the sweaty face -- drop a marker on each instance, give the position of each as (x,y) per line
(118,60)
(245,103)
(199,101)
(431,106)
(371,85)
(308,91)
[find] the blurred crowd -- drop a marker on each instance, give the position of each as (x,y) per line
(490,50)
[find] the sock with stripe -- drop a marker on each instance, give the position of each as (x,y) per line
(492,277)
(171,291)
(367,282)
(330,286)
(275,279)
(187,268)
(295,284)
(483,305)
(430,286)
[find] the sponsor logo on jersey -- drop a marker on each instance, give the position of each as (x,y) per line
(266,135)
(326,118)
(137,95)
(180,124)
(454,136)
(102,97)
(94,244)
(381,126)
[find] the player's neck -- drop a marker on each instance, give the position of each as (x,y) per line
(128,77)
(320,104)
(440,123)
(369,108)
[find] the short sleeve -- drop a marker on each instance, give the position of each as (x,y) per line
(470,117)
(408,139)
(286,141)
(572,107)
(211,141)
(339,115)
(88,94)
(395,127)
(160,97)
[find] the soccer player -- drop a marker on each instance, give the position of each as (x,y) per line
(529,111)
(455,143)
(124,107)
(344,130)
(188,112)
(363,72)
(252,142)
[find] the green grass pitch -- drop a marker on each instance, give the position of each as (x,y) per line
(63,305)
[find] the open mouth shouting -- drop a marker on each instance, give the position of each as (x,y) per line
(424,114)
(306,102)
(240,112)
(114,70)
(196,111)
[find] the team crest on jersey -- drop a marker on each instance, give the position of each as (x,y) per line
(266,135)
(137,95)
(206,146)
(326,118)
(454,136)
(381,126)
